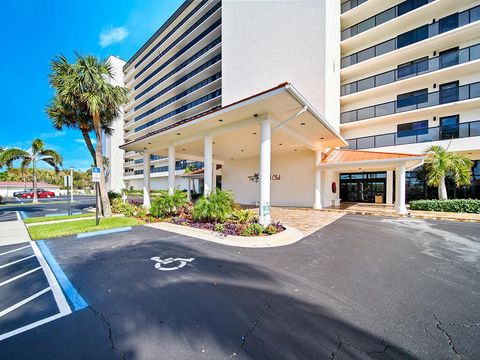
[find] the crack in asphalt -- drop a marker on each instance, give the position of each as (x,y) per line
(342,342)
(449,337)
(465,325)
(110,334)
(251,330)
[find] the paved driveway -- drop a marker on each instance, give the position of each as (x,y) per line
(360,288)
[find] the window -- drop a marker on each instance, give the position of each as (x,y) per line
(449,128)
(448,92)
(412,129)
(449,57)
(412,36)
(448,23)
(412,98)
(412,67)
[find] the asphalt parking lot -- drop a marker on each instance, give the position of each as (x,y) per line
(47,207)
(360,288)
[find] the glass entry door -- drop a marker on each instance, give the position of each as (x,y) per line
(363,187)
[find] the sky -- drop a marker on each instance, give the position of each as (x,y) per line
(34,32)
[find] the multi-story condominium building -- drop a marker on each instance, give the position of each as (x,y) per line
(302,103)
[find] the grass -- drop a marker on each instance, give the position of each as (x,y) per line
(48,231)
(34,220)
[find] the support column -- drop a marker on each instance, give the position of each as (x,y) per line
(171,169)
(146,180)
(189,190)
(318,181)
(400,207)
(208,165)
(265,164)
(389,190)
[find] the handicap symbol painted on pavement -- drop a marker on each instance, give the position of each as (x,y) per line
(179,262)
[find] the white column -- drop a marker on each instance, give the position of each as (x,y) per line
(146,180)
(400,207)
(318,181)
(208,165)
(265,163)
(189,189)
(389,190)
(171,169)
(214,176)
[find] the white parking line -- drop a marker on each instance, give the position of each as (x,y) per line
(16,261)
(19,218)
(19,276)
(23,302)
(20,248)
(30,326)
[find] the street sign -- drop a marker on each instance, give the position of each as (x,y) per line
(96,174)
(67,180)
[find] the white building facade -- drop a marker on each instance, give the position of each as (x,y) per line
(262,101)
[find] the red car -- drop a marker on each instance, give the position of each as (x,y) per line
(40,194)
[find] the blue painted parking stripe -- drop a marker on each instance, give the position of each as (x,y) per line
(69,290)
(62,214)
(23,215)
(103,232)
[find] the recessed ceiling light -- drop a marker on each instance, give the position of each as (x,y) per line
(184,149)
(213,142)
(295,150)
(231,158)
(220,120)
(178,133)
(242,150)
(302,124)
(280,144)
(149,143)
(254,133)
(322,138)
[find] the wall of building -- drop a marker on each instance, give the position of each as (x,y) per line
(156,183)
(294,188)
(266,43)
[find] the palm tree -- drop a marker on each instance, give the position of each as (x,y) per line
(33,156)
(440,163)
(84,91)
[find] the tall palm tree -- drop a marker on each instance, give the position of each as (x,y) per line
(440,163)
(37,153)
(86,88)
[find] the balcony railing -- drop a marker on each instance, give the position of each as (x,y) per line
(460,93)
(179,165)
(349,5)
(384,16)
(446,60)
(413,36)
(462,130)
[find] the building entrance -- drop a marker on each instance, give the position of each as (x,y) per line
(363,187)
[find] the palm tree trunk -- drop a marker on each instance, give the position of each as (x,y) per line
(99,163)
(34,180)
(442,190)
(88,142)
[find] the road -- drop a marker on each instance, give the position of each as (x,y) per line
(360,288)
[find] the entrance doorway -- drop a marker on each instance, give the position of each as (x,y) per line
(363,187)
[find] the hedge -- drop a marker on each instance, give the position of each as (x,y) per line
(455,205)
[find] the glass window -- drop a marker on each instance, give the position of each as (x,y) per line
(412,98)
(449,128)
(448,23)
(412,36)
(367,24)
(366,54)
(385,47)
(449,57)
(385,140)
(365,143)
(366,113)
(365,84)
(413,128)
(412,67)
(410,5)
(385,16)
(385,78)
(448,92)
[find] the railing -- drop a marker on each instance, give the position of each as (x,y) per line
(460,93)
(462,130)
(410,37)
(422,67)
(179,165)
(349,5)
(384,16)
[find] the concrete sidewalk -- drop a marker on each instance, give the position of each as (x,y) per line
(13,232)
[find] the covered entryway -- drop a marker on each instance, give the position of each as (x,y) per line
(365,187)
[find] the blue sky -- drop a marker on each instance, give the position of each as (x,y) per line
(33,32)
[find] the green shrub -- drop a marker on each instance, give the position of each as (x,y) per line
(217,207)
(219,228)
(112,195)
(455,205)
(252,230)
(167,205)
(121,207)
(243,216)
(270,229)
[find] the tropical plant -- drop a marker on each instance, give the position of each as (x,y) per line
(37,153)
(252,229)
(167,205)
(218,206)
(243,216)
(84,91)
(121,207)
(440,163)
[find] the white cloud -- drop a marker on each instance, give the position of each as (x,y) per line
(112,36)
(82,141)
(52,135)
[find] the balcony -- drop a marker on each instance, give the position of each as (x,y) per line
(383,17)
(462,130)
(351,4)
(446,60)
(441,26)
(460,93)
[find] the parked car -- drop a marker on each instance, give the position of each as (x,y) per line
(40,193)
(26,191)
